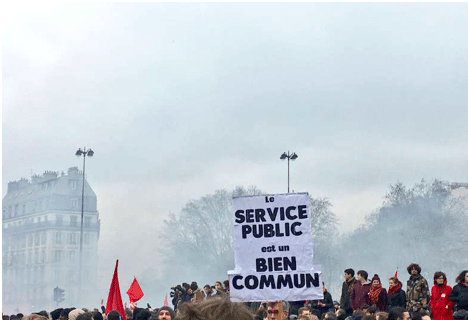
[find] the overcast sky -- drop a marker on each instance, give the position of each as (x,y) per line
(181,99)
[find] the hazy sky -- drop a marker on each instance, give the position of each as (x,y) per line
(181,99)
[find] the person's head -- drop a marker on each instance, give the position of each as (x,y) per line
(439,278)
(460,314)
(414,269)
(143,314)
(226,284)
(375,280)
(74,313)
(166,313)
(398,313)
(194,286)
(207,289)
(214,309)
(218,286)
(64,313)
(85,316)
(367,317)
(393,282)
(323,287)
(330,316)
(273,310)
(98,316)
(381,316)
(462,277)
(304,311)
(362,275)
(113,315)
(364,308)
(348,274)
(372,310)
(426,317)
(55,314)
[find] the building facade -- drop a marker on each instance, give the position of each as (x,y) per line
(41,224)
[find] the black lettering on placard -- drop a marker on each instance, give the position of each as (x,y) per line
(260,215)
(235,284)
(302,211)
(276,264)
(268,230)
(249,280)
(296,280)
(288,213)
(267,281)
(314,281)
(239,216)
(269,249)
(285,281)
(271,199)
(273,213)
(283,248)
(249,216)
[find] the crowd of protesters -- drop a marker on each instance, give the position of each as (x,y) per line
(361,299)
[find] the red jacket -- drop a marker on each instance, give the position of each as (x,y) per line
(441,306)
(359,295)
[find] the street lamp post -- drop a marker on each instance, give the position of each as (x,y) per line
(83,153)
(288,156)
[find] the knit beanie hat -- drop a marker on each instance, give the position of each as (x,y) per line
(171,311)
(376,277)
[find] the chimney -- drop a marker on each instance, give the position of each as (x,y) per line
(13,186)
(73,172)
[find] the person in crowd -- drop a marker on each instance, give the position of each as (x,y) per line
(341,314)
(417,290)
(398,313)
(396,296)
(304,311)
(378,294)
(215,309)
(219,289)
(368,317)
(324,305)
(381,316)
(55,314)
(226,286)
(302,317)
(113,315)
(74,313)
(460,315)
(208,291)
(359,294)
(441,305)
(85,316)
(346,288)
(273,310)
(459,294)
(330,315)
(166,313)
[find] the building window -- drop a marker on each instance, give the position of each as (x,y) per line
(74,184)
(73,221)
(87,222)
(72,238)
(4,212)
(74,203)
(59,220)
(57,255)
(24,208)
(36,239)
(30,240)
(43,238)
(86,238)
(72,255)
(58,238)
(16,209)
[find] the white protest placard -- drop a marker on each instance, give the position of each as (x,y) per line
(273,249)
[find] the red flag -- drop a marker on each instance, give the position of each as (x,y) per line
(396,274)
(166,304)
(134,292)
(114,301)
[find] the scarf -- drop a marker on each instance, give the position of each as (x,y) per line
(374,292)
(394,289)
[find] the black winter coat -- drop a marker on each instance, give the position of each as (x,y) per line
(459,295)
(397,300)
